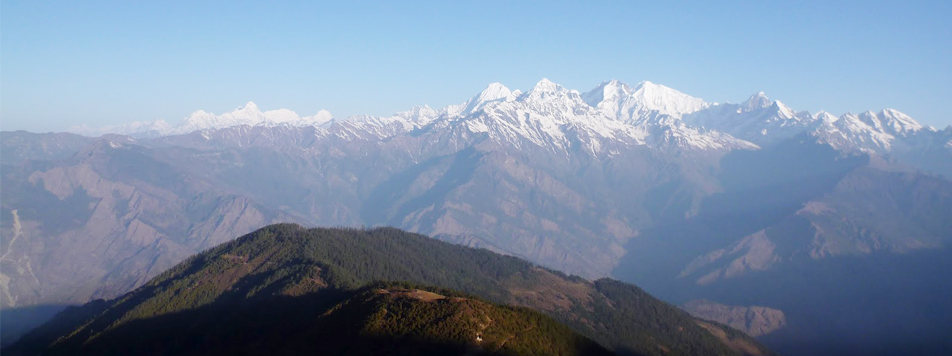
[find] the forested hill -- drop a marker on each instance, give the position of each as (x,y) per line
(308,276)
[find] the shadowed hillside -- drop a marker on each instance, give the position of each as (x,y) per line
(377,320)
(316,275)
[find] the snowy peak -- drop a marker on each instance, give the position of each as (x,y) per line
(868,131)
(249,107)
(824,117)
(758,120)
(645,103)
(611,91)
(546,86)
(545,90)
(902,120)
(141,129)
(891,121)
(665,100)
(851,132)
(322,117)
(419,112)
(495,92)
(248,114)
(757,101)
(888,123)
(553,117)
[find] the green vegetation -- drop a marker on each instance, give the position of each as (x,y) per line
(283,282)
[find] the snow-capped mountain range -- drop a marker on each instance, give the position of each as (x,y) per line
(548,114)
(639,181)
(249,115)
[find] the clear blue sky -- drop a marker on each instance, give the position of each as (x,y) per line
(71,62)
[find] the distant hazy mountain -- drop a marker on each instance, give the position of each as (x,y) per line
(248,115)
(640,182)
(284,289)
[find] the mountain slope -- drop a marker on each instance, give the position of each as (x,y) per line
(290,260)
(136,215)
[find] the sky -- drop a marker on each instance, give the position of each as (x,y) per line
(67,63)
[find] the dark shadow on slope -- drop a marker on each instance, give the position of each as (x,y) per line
(381,207)
(620,316)
(461,171)
(136,163)
(65,321)
(877,304)
(272,177)
(274,326)
(34,202)
(15,322)
(761,188)
(881,304)
(378,206)
(220,328)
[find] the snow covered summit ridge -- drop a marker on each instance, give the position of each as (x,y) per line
(634,105)
(248,114)
(647,112)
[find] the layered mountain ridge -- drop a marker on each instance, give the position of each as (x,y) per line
(688,199)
